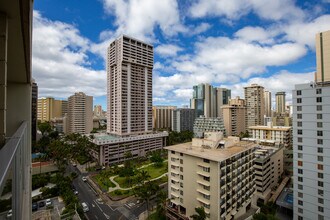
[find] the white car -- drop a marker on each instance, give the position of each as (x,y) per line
(48,202)
(84,179)
(76,192)
(85,207)
(10,213)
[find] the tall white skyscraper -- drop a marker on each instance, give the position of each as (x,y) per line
(129,94)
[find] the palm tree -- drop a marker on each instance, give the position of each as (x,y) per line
(200,214)
(145,190)
(161,203)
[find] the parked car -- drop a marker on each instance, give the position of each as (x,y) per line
(84,179)
(85,207)
(34,207)
(76,192)
(42,204)
(48,202)
(10,213)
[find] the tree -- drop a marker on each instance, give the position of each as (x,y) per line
(157,158)
(145,190)
(200,214)
(263,216)
(44,127)
(161,203)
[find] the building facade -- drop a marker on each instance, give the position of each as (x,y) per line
(268,103)
(203,124)
(233,116)
(34,111)
(214,173)
(255,106)
(183,119)
(49,108)
(322,46)
(162,117)
(80,113)
(280,102)
(129,90)
(207,100)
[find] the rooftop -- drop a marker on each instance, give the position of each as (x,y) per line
(212,154)
(270,128)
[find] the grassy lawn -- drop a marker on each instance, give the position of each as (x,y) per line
(104,183)
(153,171)
(119,192)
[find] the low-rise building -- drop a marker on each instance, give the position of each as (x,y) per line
(214,173)
(203,124)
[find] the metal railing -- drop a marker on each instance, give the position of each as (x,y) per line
(15,164)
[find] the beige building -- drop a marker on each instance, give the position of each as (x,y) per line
(129,95)
(80,113)
(268,103)
(49,108)
(98,111)
(268,166)
(255,105)
(234,116)
(280,102)
(322,45)
(162,117)
(213,172)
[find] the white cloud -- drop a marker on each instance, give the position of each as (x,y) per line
(256,34)
(234,9)
(59,60)
(168,50)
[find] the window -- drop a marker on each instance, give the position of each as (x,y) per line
(319,141)
(181,161)
(299,132)
(318,99)
(206,161)
(300,171)
(321,201)
(206,178)
(318,91)
(300,147)
(301,187)
(320,124)
(320,133)
(320,208)
(319,116)
(320,192)
(299,116)
(299,124)
(320,150)
(298,100)
(299,139)
(181,192)
(181,154)
(300,179)
(298,92)
(300,217)
(300,210)
(320,183)
(300,195)
(320,175)
(319,108)
(181,177)
(299,108)
(300,155)
(181,169)
(320,158)
(173,152)
(300,163)
(321,217)
(300,202)
(319,166)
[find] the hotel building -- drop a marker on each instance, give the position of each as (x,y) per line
(255,105)
(183,119)
(162,117)
(234,116)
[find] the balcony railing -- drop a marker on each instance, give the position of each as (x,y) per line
(15,163)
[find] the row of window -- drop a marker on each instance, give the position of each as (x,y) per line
(318,116)
(318,133)
(318,91)
(319,149)
(319,166)
(318,124)
(318,99)
(300,140)
(318,108)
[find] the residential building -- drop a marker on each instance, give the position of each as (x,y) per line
(214,173)
(268,167)
(129,94)
(49,108)
(282,120)
(98,111)
(34,111)
(203,124)
(255,106)
(129,114)
(268,103)
(162,117)
(311,150)
(80,113)
(280,102)
(15,103)
(233,116)
(207,100)
(322,46)
(183,119)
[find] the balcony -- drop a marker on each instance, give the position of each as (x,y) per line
(175,212)
(15,163)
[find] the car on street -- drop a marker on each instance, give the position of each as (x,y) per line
(42,204)
(84,179)
(48,202)
(10,213)
(34,207)
(85,207)
(76,192)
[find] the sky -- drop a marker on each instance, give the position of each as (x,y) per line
(227,43)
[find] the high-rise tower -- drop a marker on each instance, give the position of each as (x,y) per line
(129,90)
(255,105)
(322,45)
(268,103)
(280,102)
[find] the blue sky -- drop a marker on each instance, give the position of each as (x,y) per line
(225,43)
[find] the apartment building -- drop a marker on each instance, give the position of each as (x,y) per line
(207,100)
(49,108)
(98,111)
(183,119)
(34,111)
(203,124)
(80,113)
(268,103)
(212,172)
(15,103)
(162,117)
(255,105)
(280,102)
(268,167)
(233,116)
